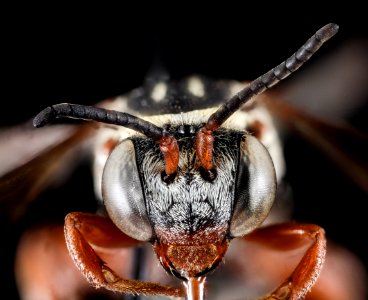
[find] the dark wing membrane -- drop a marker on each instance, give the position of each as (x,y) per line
(346,146)
(334,87)
(18,187)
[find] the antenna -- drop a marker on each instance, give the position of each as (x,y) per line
(204,142)
(168,144)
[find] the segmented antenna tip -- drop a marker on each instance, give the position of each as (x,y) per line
(327,31)
(43,117)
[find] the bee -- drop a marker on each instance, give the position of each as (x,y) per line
(199,173)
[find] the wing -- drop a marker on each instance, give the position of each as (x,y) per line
(344,145)
(313,103)
(43,158)
(334,87)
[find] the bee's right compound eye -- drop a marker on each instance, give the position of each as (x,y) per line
(255,187)
(122,193)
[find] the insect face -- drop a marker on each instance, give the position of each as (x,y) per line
(195,209)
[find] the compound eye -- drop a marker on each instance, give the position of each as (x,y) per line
(255,187)
(122,193)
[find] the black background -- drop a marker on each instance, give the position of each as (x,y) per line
(59,54)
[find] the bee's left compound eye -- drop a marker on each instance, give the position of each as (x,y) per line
(255,187)
(123,194)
